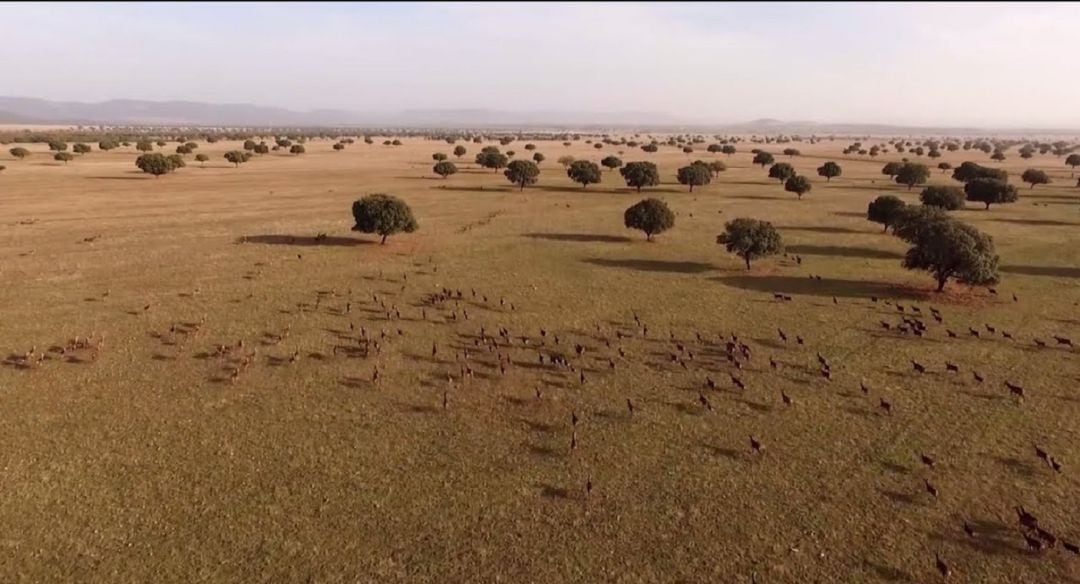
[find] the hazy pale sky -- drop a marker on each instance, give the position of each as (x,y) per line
(930,64)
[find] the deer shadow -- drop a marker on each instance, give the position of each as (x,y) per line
(653,265)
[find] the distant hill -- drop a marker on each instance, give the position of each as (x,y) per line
(25,110)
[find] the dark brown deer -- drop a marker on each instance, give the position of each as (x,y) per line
(1016,390)
(928,461)
(885,406)
(918,366)
(942,567)
(704,401)
(755,445)
(930,488)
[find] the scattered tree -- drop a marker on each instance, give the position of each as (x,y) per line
(438,157)
(611,162)
(944,166)
(640,174)
(781,171)
(262,148)
(202,158)
(891,169)
(948,248)
(650,148)
(729,149)
(338,146)
(990,191)
(106,145)
(144,146)
(249,145)
(970,171)
(763,158)
(750,239)
(459,151)
(237,157)
(183,149)
(566,161)
(912,174)
(791,152)
(19,152)
(522,173)
(651,216)
(800,185)
(694,175)
(1035,177)
(490,157)
(57,146)
(829,170)
(63,157)
(1073,160)
(948,198)
(538,157)
(885,209)
(584,172)
(384,215)
(156,163)
(444,168)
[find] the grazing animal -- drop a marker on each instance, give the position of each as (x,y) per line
(1063,341)
(1041,454)
(1026,519)
(885,406)
(969,530)
(755,445)
(799,340)
(1016,390)
(942,567)
(951,334)
(927,460)
(917,366)
(588,487)
(1034,544)
(952,367)
(773,363)
(1071,547)
(990,329)
(930,488)
(786,398)
(630,406)
(783,337)
(1046,536)
(709,382)
(1007,335)
(1054,464)
(1040,343)
(704,401)
(865,390)
(978,378)
(973,332)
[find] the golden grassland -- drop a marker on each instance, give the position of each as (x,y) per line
(143,460)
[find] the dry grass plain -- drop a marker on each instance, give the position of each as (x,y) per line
(148,464)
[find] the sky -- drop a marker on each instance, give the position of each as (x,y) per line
(990,65)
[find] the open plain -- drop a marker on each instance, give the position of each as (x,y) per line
(259,394)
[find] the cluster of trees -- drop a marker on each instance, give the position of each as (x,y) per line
(157,164)
(237,157)
(941,245)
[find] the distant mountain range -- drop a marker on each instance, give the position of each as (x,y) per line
(25,110)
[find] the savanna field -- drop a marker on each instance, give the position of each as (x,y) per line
(236,387)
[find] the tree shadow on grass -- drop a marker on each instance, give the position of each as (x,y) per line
(654,265)
(819,229)
(117,177)
(844,251)
(579,237)
(1052,271)
(824,287)
(330,241)
(1038,222)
